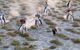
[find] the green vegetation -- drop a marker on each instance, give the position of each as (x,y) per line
(2,35)
(0,39)
(51,26)
(64,1)
(25,43)
(52,47)
(24,34)
(7,27)
(49,22)
(15,43)
(33,27)
(11,33)
(76,40)
(63,36)
(22,48)
(73,31)
(4,27)
(5,46)
(50,14)
(17,32)
(48,30)
(75,24)
(78,20)
(46,49)
(61,18)
(30,39)
(57,42)
(28,47)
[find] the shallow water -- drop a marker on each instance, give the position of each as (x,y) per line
(77,14)
(43,37)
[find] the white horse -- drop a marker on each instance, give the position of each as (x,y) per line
(69,14)
(28,23)
(68,17)
(2,18)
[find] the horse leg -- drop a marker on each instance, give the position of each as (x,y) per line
(72,16)
(36,24)
(20,27)
(40,21)
(67,16)
(25,29)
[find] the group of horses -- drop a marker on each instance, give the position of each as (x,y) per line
(22,21)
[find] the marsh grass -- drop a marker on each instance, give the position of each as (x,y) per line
(25,43)
(17,32)
(75,24)
(46,20)
(48,30)
(51,26)
(53,47)
(0,39)
(11,33)
(61,18)
(7,27)
(57,42)
(5,6)
(22,48)
(63,36)
(4,27)
(49,22)
(5,46)
(46,49)
(54,15)
(30,39)
(34,27)
(2,35)
(64,1)
(50,14)
(76,40)
(73,31)
(22,34)
(15,43)
(26,36)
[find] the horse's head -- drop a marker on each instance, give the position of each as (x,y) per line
(22,21)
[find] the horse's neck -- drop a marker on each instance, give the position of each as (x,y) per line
(1,16)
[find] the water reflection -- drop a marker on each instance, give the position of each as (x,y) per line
(77,14)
